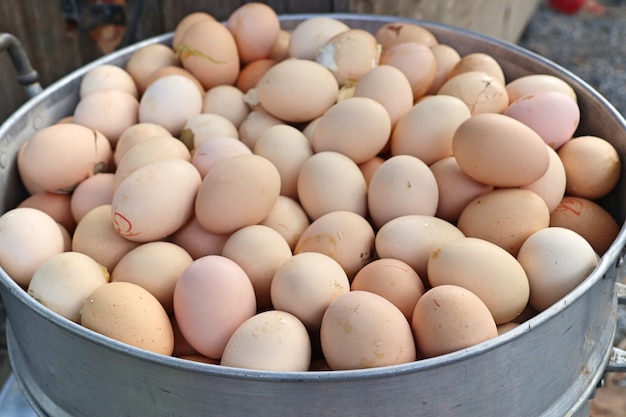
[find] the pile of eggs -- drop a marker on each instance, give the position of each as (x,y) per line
(324,198)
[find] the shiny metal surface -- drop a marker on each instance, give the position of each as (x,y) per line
(548,366)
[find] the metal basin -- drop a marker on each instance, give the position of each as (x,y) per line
(548,366)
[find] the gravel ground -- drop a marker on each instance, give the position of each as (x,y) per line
(591,45)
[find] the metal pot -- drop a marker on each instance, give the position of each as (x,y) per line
(548,366)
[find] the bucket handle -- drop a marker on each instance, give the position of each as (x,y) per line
(617,360)
(26,75)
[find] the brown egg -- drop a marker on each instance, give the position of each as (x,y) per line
(107,77)
(254,124)
(533,83)
(57,206)
(456,188)
(59,157)
(91,193)
(96,237)
(185,23)
(588,219)
(288,218)
(174,70)
(379,334)
(128,313)
(226,101)
(479,61)
(399,32)
(481,153)
(551,186)
(305,285)
(480,91)
(213,62)
(203,126)
(259,250)
(592,166)
(255,27)
(392,279)
(198,241)
(416,61)
(505,217)
(251,73)
(147,59)
(154,266)
(446,58)
(211,151)
(134,134)
(369,167)
(345,236)
(21,250)
(448,318)
(349,55)
(312,90)
(280,50)
(485,269)
(311,34)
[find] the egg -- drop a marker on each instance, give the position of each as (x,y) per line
(416,61)
(269,341)
(28,237)
(479,61)
(392,279)
(198,241)
(58,157)
(64,281)
(110,112)
(57,206)
(226,101)
(481,152)
(588,219)
(426,130)
(203,126)
(93,192)
(288,218)
(388,86)
(134,134)
(208,50)
(408,182)
(209,152)
(255,27)
(170,101)
(480,91)
(349,55)
(369,167)
(552,185)
(449,318)
(147,59)
(254,124)
(456,188)
(129,314)
(238,191)
(413,238)
(174,70)
(556,261)
(446,57)
(487,270)
(311,34)
(349,190)
(212,298)
(345,236)
(280,50)
(297,90)
(95,236)
(361,330)
(592,167)
(259,250)
(552,114)
(184,23)
(533,83)
(107,77)
(155,200)
(506,217)
(305,285)
(288,149)
(399,32)
(154,266)
(358,127)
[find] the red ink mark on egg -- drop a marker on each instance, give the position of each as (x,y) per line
(436,303)
(123,226)
(571,204)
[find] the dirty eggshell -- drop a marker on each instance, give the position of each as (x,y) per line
(155,200)
(556,261)
(238,191)
(311,34)
(361,330)
(58,157)
(269,341)
(506,217)
(413,238)
(297,90)
(129,314)
(498,150)
(345,236)
(212,298)
(64,281)
(305,285)
(448,318)
(487,270)
(28,237)
(480,91)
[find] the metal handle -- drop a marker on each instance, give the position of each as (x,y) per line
(26,75)
(617,361)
